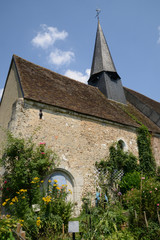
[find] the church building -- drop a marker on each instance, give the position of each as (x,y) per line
(78,121)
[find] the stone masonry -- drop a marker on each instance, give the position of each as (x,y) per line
(78,140)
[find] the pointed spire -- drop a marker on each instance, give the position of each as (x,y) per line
(103,72)
(102,60)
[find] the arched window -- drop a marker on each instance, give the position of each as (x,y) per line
(122,145)
(63,177)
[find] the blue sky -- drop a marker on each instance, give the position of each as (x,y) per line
(60,35)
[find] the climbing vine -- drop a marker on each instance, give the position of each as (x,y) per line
(146,159)
(118,159)
(112,169)
(120,163)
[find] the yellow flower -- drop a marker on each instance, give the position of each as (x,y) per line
(55,181)
(32,182)
(58,188)
(42,181)
(36,178)
(8,216)
(7,199)
(23,190)
(70,191)
(4,203)
(23,197)
(38,223)
(11,203)
(15,199)
(49,181)
(47,199)
(55,185)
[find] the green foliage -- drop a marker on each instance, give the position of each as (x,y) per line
(99,222)
(137,194)
(23,161)
(6,226)
(147,161)
(54,211)
(121,235)
(153,232)
(145,199)
(118,160)
(26,165)
(130,181)
(55,204)
(111,170)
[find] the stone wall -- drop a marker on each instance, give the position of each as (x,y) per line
(156,148)
(78,140)
(11,93)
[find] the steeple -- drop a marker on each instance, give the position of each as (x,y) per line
(103,71)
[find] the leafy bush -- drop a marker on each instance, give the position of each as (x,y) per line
(99,223)
(130,181)
(23,161)
(26,165)
(146,199)
(152,233)
(119,163)
(118,159)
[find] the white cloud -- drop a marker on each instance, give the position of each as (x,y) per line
(59,57)
(47,36)
(78,75)
(1,91)
(159,35)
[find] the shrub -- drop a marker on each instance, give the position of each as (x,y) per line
(99,223)
(146,199)
(23,162)
(26,165)
(129,181)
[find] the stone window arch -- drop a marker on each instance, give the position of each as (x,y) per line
(63,177)
(122,144)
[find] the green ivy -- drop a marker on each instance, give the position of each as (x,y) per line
(121,160)
(146,159)
(118,160)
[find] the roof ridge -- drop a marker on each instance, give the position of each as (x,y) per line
(141,94)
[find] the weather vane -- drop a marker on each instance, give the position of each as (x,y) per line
(98,12)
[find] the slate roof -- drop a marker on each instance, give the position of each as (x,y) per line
(45,86)
(150,102)
(102,59)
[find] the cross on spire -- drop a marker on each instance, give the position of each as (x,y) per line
(98,12)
